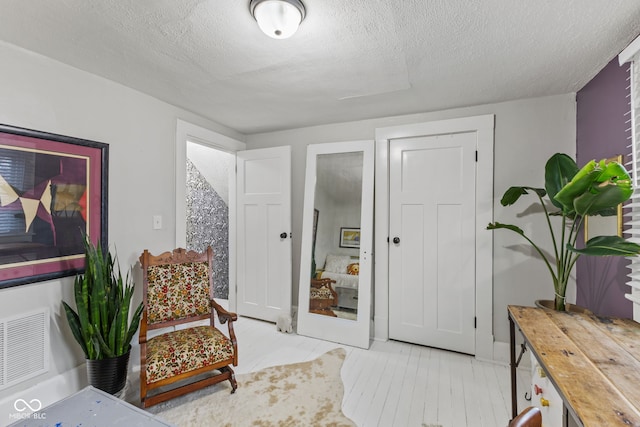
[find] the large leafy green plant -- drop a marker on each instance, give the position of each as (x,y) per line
(574,193)
(103,300)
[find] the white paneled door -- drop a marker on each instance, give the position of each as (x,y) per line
(264,233)
(432,241)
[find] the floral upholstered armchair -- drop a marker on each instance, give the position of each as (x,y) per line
(322,297)
(178,289)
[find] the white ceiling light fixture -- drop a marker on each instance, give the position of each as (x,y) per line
(278,18)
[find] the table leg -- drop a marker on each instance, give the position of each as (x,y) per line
(512,346)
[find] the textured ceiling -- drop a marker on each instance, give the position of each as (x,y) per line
(350,60)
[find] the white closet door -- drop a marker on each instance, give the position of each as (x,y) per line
(432,247)
(264,233)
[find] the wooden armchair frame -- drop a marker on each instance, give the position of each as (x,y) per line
(173,264)
(323,305)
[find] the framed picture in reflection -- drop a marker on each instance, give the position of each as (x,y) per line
(349,237)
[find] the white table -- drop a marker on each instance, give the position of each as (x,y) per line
(91,407)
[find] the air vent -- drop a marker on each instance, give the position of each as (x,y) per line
(24,341)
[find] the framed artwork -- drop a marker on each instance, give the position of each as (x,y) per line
(349,237)
(53,192)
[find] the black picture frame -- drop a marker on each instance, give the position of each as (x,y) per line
(316,215)
(53,192)
(350,237)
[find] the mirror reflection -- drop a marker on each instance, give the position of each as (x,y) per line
(336,235)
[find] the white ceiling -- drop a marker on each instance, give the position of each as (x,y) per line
(350,59)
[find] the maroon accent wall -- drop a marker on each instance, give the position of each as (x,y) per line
(602,105)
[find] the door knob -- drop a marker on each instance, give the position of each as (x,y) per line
(396,240)
(283,235)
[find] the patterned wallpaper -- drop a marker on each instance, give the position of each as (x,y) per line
(208,224)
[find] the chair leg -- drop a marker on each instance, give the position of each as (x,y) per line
(143,388)
(232,378)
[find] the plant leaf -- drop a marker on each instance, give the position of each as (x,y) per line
(133,327)
(606,212)
(76,330)
(106,351)
(608,246)
(81,291)
(123,318)
(610,188)
(580,183)
(558,171)
(498,225)
(600,199)
(513,194)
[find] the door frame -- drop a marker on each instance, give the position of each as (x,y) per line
(186,132)
(483,126)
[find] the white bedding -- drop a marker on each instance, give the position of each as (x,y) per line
(343,280)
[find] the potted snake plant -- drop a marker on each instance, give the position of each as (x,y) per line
(101,323)
(595,189)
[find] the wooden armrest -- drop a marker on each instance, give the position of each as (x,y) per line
(224,315)
(142,334)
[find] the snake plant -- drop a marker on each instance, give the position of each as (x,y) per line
(103,299)
(595,189)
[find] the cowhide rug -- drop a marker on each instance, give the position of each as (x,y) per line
(300,394)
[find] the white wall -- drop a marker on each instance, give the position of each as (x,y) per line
(42,94)
(527,133)
(332,216)
(214,165)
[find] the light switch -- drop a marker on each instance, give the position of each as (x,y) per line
(157,222)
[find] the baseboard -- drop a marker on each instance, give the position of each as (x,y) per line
(380,328)
(501,352)
(485,349)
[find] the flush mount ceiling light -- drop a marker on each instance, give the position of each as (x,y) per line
(278,18)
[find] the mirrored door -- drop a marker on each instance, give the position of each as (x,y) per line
(336,257)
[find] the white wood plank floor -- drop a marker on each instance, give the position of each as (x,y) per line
(395,383)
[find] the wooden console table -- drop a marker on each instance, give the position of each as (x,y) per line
(593,362)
